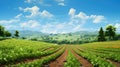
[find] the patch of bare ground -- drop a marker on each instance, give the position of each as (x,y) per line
(84,62)
(117,64)
(59,62)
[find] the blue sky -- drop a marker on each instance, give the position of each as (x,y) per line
(59,16)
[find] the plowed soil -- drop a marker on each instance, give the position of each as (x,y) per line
(84,62)
(59,62)
(117,64)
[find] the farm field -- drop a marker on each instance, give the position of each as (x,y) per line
(24,53)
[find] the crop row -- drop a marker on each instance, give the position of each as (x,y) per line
(15,57)
(19,50)
(104,53)
(42,61)
(109,49)
(94,59)
(71,61)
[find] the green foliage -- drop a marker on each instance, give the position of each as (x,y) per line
(68,39)
(109,53)
(101,36)
(13,50)
(40,62)
(16,33)
(7,34)
(97,61)
(110,31)
(71,61)
(108,44)
(2,31)
(105,50)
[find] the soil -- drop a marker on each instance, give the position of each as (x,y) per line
(59,62)
(27,60)
(84,62)
(117,64)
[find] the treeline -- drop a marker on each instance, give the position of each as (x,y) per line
(109,34)
(63,41)
(80,40)
(66,42)
(5,33)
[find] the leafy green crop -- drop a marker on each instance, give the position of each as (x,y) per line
(12,51)
(15,52)
(40,62)
(95,60)
(71,61)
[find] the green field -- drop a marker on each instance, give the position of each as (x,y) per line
(24,53)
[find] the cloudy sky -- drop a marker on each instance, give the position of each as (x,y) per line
(59,16)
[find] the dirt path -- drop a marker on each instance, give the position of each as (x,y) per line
(83,61)
(117,64)
(59,62)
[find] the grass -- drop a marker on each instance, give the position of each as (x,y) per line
(109,44)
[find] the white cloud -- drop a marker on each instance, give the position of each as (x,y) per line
(77,28)
(10,24)
(74,23)
(60,26)
(61,4)
(84,17)
(77,19)
(64,27)
(44,2)
(33,1)
(46,14)
(9,21)
(10,27)
(117,25)
(97,19)
(27,1)
(41,2)
(35,12)
(30,24)
(19,15)
(59,0)
(72,12)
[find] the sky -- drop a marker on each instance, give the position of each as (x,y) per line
(59,16)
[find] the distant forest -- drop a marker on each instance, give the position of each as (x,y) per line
(107,34)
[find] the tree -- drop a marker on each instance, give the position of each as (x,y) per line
(101,36)
(16,33)
(2,31)
(7,34)
(110,32)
